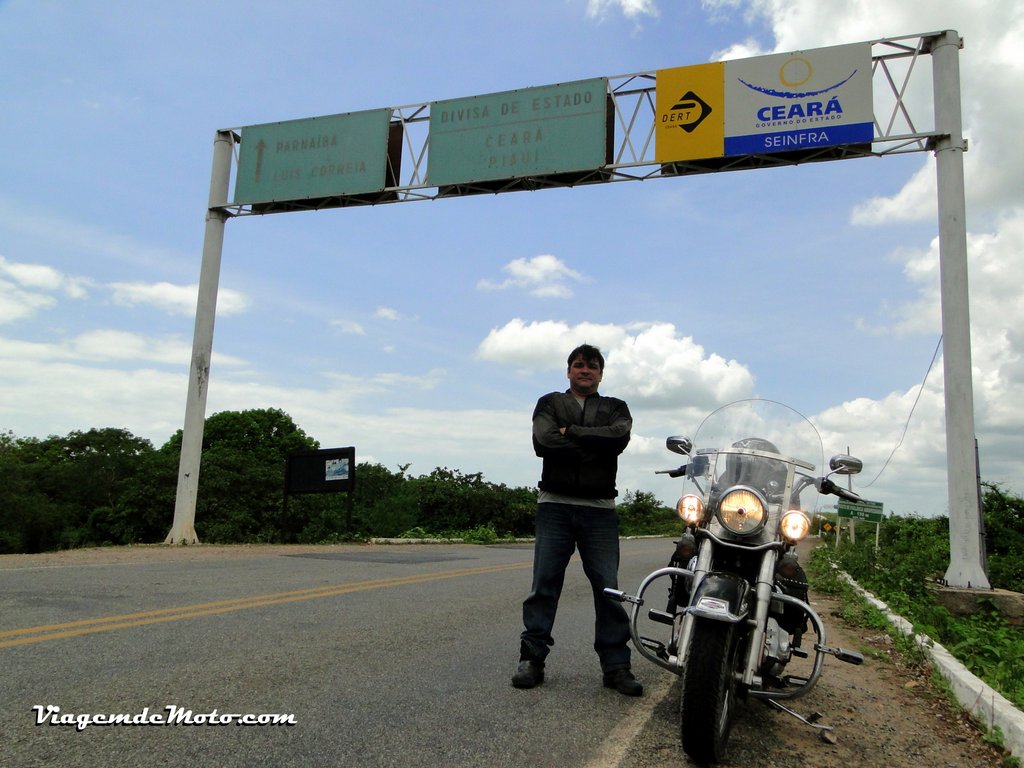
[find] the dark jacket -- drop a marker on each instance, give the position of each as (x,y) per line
(584,461)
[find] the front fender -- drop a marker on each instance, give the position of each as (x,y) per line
(721,597)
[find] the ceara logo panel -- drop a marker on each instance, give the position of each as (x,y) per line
(801,100)
(779,103)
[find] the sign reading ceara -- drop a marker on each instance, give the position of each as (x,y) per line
(313,158)
(786,102)
(529,132)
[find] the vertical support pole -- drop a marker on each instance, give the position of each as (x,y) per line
(183,527)
(966,545)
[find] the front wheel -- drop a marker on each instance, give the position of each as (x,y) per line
(709,691)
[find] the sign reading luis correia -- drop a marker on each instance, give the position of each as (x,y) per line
(313,158)
(529,132)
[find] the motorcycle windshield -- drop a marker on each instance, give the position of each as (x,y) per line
(758,444)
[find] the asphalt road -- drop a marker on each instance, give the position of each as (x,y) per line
(383,655)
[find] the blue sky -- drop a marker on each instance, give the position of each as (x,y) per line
(423,333)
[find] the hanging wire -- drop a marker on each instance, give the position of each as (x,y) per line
(920,391)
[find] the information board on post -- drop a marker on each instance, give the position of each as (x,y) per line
(868,511)
(315,157)
(529,132)
(330,470)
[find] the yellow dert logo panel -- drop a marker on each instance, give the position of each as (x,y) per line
(690,113)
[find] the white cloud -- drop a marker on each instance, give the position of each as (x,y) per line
(386,313)
(24,288)
(38,276)
(102,346)
(28,287)
(649,365)
(176,299)
(358,386)
(543,276)
(657,368)
(348,327)
(631,9)
(914,202)
(543,345)
(17,303)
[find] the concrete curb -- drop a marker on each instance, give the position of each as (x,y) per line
(974,695)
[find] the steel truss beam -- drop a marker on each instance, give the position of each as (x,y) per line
(902,104)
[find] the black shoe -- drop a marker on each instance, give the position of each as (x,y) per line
(529,674)
(622,680)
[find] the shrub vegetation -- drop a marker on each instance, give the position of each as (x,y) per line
(910,560)
(106,486)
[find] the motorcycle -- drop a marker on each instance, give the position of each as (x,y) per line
(737,605)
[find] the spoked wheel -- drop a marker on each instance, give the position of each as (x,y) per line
(709,691)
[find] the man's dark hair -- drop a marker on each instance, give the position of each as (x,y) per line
(589,353)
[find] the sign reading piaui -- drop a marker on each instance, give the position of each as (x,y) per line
(530,132)
(313,158)
(784,102)
(870,511)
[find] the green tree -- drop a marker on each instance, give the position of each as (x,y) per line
(145,510)
(384,501)
(640,512)
(29,520)
(83,476)
(241,476)
(449,500)
(1004,537)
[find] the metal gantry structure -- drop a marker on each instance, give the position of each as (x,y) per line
(900,111)
(905,120)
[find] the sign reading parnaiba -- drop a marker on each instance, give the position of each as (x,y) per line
(312,158)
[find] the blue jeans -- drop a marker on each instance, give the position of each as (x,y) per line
(561,528)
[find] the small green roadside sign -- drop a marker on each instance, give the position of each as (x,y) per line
(868,511)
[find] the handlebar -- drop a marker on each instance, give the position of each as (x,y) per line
(827,486)
(823,484)
(677,472)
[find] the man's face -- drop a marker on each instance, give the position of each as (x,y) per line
(584,376)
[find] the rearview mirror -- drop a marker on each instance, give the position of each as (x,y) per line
(678,444)
(842,464)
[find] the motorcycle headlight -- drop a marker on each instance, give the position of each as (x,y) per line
(795,525)
(742,512)
(690,509)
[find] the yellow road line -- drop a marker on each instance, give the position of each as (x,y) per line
(47,632)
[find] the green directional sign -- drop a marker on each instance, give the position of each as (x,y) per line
(529,132)
(313,158)
(869,511)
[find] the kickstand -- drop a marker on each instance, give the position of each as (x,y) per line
(825,731)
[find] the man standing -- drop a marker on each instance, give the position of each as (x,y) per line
(579,434)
